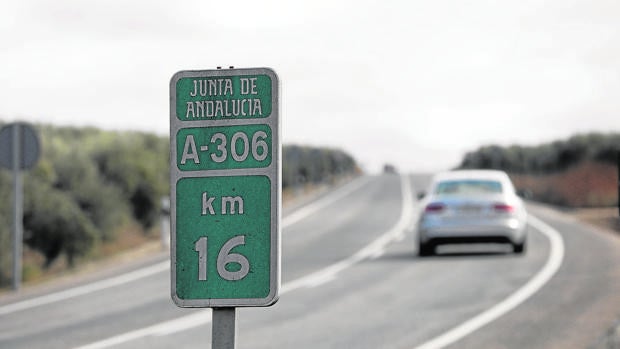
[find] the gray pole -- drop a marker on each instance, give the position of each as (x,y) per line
(223,333)
(17,208)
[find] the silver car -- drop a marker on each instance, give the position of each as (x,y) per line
(471,206)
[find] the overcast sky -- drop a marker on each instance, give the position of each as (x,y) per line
(413,83)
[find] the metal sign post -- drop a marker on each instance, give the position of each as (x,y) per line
(223,334)
(19,149)
(225,191)
(18,208)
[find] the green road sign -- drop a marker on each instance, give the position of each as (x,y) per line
(225,187)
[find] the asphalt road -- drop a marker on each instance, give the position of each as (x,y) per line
(351,279)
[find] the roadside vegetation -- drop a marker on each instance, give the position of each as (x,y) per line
(95,192)
(577,172)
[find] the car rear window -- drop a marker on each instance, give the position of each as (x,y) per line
(469,186)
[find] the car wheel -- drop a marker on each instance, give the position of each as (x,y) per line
(426,249)
(519,248)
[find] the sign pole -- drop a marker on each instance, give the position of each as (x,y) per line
(223,332)
(19,150)
(17,209)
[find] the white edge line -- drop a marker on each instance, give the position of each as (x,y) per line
(85,289)
(554,261)
(312,280)
(311,208)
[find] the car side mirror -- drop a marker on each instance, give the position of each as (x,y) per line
(421,195)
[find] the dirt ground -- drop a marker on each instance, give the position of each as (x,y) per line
(606,218)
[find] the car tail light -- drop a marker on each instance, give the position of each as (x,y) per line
(435,207)
(499,207)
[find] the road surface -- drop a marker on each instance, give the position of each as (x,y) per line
(351,279)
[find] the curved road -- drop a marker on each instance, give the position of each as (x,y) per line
(351,279)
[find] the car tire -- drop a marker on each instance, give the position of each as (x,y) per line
(519,248)
(426,249)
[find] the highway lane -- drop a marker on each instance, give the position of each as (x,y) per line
(576,306)
(390,300)
(139,304)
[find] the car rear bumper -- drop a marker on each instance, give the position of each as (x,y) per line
(502,231)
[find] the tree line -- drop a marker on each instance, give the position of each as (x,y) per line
(305,164)
(546,158)
(89,183)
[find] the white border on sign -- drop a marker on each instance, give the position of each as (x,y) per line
(273,171)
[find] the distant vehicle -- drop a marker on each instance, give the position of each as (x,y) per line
(471,206)
(389,168)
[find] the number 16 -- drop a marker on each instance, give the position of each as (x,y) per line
(224,258)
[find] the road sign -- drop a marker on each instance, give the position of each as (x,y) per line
(225,187)
(27,145)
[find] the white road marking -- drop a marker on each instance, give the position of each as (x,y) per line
(311,208)
(368,251)
(85,289)
(554,261)
(312,280)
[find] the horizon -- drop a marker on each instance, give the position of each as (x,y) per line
(414,85)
